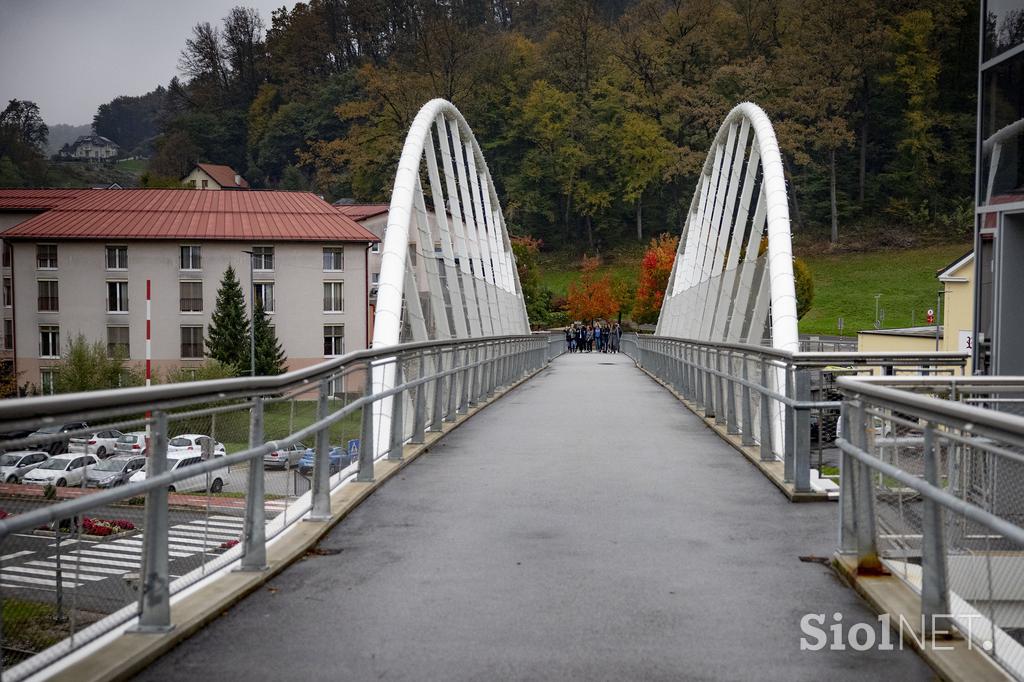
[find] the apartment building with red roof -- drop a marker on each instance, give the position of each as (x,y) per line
(82,267)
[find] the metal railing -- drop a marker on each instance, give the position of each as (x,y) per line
(933,492)
(80,559)
(786,404)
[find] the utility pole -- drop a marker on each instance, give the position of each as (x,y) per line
(938,313)
(252,317)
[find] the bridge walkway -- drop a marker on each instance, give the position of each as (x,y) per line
(586,527)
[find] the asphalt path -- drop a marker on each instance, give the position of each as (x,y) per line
(585,527)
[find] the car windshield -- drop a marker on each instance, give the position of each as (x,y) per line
(50,429)
(127,440)
(54,464)
(180,442)
(9,460)
(110,465)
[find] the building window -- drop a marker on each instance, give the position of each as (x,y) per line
(334,297)
(191,343)
(375,247)
(49,300)
(191,258)
(117,342)
(117,258)
(46,381)
(8,292)
(191,294)
(206,184)
(49,341)
(7,255)
(375,278)
(334,339)
(192,184)
(334,259)
(264,292)
(263,258)
(46,256)
(8,334)
(117,297)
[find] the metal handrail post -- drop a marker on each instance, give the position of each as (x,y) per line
(802,436)
(155,596)
(864,497)
(719,389)
(254,551)
(437,415)
(747,433)
(765,432)
(934,577)
(847,490)
(321,494)
(453,394)
(789,428)
(731,422)
(366,446)
(398,415)
(464,382)
(419,416)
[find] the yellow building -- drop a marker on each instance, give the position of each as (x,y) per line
(957,318)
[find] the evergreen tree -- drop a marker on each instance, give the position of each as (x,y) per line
(270,357)
(227,340)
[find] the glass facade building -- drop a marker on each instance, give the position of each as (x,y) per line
(999,238)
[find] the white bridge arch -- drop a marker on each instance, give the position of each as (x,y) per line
(462,282)
(447,267)
(722,287)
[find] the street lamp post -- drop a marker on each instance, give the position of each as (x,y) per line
(252,316)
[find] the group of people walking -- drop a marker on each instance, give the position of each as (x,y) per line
(603,338)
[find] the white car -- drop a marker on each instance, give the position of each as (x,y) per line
(14,465)
(61,470)
(131,444)
(101,443)
(193,442)
(197,483)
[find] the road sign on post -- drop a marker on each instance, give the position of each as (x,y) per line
(931,316)
(840,325)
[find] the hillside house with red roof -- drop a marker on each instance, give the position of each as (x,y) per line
(82,266)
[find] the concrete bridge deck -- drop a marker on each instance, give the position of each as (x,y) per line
(586,527)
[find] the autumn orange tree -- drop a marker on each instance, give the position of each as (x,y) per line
(655,268)
(592,297)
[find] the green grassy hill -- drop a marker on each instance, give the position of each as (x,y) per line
(844,284)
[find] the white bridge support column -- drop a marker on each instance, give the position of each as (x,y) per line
(733,276)
(459,224)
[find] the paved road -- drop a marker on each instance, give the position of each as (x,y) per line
(585,527)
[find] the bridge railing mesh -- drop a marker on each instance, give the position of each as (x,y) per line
(206,474)
(933,492)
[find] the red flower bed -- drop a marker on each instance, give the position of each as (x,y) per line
(104,527)
(228,544)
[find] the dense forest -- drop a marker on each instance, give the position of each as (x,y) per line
(595,115)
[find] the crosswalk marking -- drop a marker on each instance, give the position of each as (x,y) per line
(105,561)
(37,581)
(201,533)
(72,566)
(15,555)
(39,571)
(191,541)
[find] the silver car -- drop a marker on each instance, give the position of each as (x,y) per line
(113,471)
(14,465)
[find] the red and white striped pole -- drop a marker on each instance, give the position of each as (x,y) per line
(149,357)
(149,335)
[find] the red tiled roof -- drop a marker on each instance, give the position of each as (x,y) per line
(362,211)
(194,214)
(17,199)
(224,175)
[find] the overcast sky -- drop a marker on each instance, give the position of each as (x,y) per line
(70,56)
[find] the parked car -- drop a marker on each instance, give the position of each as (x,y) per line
(61,470)
(285,457)
(58,447)
(100,443)
(113,471)
(197,483)
(338,456)
(193,442)
(14,465)
(131,444)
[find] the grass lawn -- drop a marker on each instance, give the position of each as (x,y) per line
(134,166)
(845,285)
(279,420)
